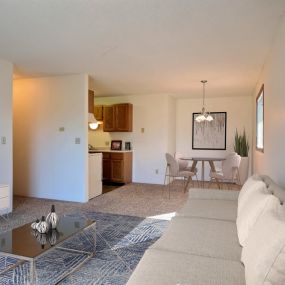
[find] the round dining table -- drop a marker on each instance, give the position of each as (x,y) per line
(210,160)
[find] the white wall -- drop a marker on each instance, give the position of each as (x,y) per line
(171,125)
(150,112)
(47,162)
(6,150)
(239,116)
(272,161)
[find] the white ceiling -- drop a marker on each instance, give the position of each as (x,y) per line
(143,46)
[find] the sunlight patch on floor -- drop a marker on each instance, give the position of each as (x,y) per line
(166,216)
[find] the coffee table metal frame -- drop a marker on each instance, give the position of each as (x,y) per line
(32,260)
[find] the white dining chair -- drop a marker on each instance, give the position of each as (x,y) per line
(175,172)
(184,165)
(229,171)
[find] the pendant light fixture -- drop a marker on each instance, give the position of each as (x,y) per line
(204,116)
(93,123)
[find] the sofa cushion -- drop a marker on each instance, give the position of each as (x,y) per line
(264,252)
(277,191)
(250,211)
(211,209)
(250,186)
(169,268)
(265,178)
(213,194)
(272,187)
(198,236)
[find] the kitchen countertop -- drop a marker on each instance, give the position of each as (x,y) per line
(107,150)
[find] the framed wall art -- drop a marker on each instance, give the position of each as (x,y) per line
(210,135)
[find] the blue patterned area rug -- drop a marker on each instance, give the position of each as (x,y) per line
(120,244)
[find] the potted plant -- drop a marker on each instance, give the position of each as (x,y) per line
(241,147)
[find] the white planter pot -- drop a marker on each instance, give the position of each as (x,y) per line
(243,169)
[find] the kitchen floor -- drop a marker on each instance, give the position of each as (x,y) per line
(109,187)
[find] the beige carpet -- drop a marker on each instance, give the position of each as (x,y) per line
(143,200)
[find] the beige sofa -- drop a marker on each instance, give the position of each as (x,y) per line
(201,245)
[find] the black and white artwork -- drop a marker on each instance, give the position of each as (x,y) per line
(210,135)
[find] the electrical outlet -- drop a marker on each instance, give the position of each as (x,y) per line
(61,129)
(107,143)
(77,140)
(156,171)
(142,130)
(3,140)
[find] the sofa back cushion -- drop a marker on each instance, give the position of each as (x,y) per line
(263,254)
(272,187)
(252,207)
(277,191)
(253,183)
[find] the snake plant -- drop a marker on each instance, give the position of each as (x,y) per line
(241,145)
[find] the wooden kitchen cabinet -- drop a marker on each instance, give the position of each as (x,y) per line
(90,101)
(98,112)
(117,167)
(106,161)
(123,117)
(108,119)
(118,118)
(117,170)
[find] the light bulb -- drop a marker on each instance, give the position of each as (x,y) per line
(200,118)
(93,126)
(209,118)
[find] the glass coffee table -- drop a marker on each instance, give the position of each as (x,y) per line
(27,257)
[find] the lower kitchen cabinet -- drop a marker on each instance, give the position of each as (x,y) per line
(117,166)
(106,166)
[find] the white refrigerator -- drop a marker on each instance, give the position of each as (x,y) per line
(95,174)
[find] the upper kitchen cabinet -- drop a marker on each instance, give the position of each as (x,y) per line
(90,101)
(123,117)
(118,118)
(98,112)
(109,118)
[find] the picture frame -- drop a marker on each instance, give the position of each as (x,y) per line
(210,135)
(116,145)
(128,146)
(259,145)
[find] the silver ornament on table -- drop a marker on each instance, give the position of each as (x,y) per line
(35,233)
(52,218)
(43,226)
(35,224)
(42,240)
(53,236)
